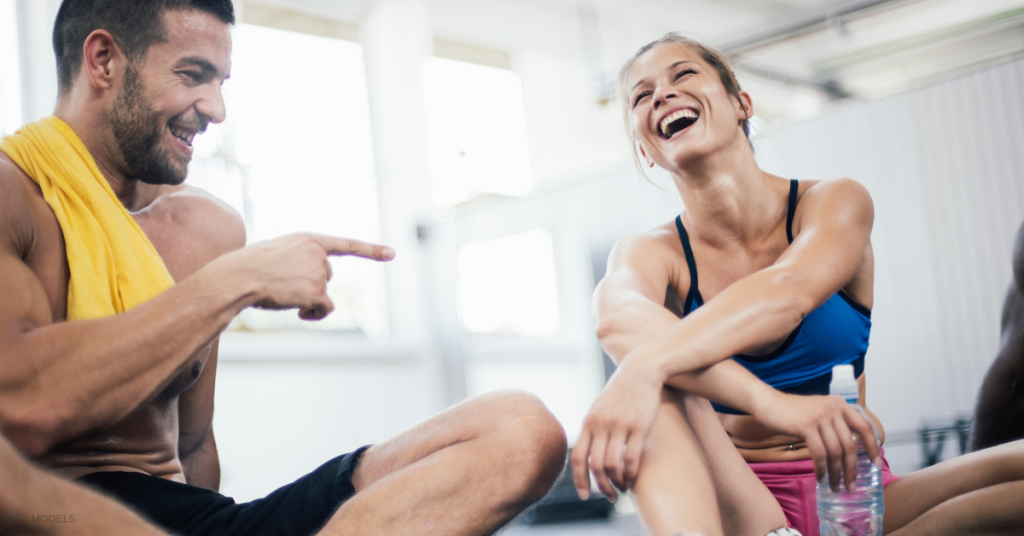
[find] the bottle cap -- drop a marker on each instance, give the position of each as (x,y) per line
(843,383)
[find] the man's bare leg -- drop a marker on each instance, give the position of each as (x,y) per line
(977,493)
(29,496)
(467,471)
(690,468)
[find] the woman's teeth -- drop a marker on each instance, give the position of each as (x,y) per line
(681,114)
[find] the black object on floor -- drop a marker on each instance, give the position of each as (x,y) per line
(563,504)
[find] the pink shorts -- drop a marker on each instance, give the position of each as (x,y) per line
(794,486)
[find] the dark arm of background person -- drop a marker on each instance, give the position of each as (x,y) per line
(62,380)
(35,502)
(999,414)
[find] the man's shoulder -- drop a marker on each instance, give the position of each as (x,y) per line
(15,201)
(190,227)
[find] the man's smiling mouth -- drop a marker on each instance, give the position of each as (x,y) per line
(186,136)
(677,121)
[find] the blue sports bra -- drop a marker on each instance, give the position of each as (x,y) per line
(834,334)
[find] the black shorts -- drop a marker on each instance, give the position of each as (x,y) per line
(298,509)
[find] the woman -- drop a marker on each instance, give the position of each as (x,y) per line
(778,274)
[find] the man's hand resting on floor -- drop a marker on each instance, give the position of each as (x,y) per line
(292,271)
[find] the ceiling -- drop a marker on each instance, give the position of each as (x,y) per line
(797,57)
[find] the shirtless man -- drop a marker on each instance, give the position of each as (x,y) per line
(125,403)
(999,415)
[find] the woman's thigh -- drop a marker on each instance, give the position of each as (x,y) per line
(912,495)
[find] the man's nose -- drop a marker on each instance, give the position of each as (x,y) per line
(211,105)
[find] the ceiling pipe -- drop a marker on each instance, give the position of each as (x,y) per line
(834,18)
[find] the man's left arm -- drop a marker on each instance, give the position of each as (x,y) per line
(196,444)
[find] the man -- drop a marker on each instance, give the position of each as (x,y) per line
(999,415)
(107,367)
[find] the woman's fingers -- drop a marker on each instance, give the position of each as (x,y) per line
(598,449)
(834,452)
(849,451)
(613,458)
(631,458)
(580,469)
(862,427)
(818,454)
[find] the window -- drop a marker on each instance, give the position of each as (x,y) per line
(296,155)
(10,81)
(477,135)
(507,285)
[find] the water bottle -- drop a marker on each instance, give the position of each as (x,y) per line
(858,512)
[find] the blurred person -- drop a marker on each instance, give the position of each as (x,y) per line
(116,280)
(999,415)
(784,293)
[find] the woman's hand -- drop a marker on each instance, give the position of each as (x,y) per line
(615,430)
(827,424)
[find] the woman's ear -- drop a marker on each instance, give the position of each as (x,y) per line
(643,153)
(101,58)
(746,106)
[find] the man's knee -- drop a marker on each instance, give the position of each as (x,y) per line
(533,441)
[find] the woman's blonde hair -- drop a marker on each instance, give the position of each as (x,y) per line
(720,62)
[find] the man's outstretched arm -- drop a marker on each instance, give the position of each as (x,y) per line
(61,380)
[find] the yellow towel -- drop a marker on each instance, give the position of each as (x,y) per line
(114,267)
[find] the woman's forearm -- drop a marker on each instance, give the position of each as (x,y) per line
(750,314)
(639,322)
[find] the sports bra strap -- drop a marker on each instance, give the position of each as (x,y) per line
(691,263)
(794,186)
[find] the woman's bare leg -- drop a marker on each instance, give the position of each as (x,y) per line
(746,505)
(680,489)
(978,493)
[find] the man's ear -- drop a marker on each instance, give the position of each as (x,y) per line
(102,59)
(643,153)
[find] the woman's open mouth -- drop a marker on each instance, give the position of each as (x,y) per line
(677,122)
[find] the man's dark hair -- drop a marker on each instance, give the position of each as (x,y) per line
(134,24)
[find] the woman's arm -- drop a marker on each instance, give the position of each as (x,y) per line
(629,311)
(834,225)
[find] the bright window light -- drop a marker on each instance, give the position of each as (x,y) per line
(476,125)
(296,156)
(10,79)
(507,285)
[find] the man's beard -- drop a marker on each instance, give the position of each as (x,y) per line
(138,131)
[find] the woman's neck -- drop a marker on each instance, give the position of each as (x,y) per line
(729,199)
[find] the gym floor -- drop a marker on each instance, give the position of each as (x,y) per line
(618,525)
